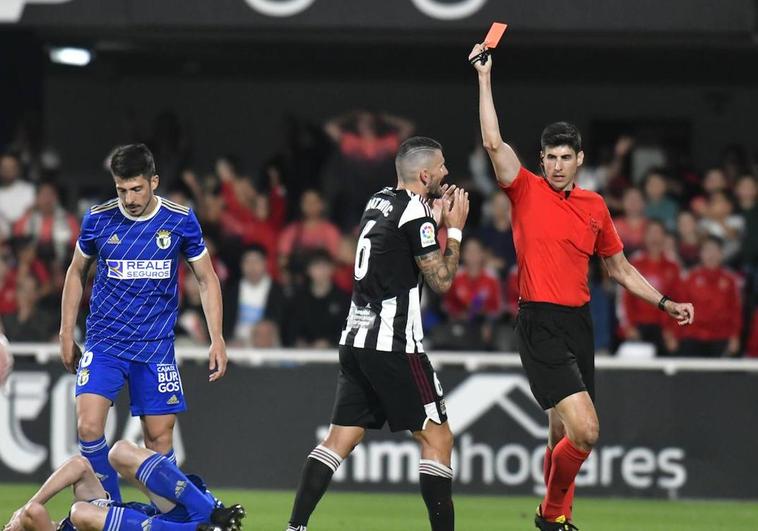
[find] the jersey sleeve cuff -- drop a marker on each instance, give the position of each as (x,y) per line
(612,252)
(79,248)
(199,256)
(518,176)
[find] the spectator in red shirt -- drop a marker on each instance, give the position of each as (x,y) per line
(640,321)
(345,266)
(366,144)
(716,292)
(688,238)
(311,233)
(631,225)
(8,303)
(252,217)
(53,229)
(475,292)
(474,300)
(367,136)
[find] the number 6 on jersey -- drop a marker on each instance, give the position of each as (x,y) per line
(363,252)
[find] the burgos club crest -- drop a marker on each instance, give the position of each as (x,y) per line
(163,239)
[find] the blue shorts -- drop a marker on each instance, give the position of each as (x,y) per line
(154,388)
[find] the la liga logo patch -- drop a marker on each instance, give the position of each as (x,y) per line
(427,235)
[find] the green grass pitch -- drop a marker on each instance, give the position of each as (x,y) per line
(338,511)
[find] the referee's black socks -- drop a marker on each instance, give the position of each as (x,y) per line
(319,468)
(436,482)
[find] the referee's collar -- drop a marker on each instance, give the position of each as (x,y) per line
(565,193)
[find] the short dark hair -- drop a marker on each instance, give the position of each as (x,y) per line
(256,248)
(561,134)
(132,161)
(725,195)
(655,172)
(12,155)
(320,256)
(715,240)
(417,143)
(652,222)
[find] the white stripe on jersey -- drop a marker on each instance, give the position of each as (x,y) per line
(410,345)
(386,325)
(414,314)
(414,210)
(360,337)
(346,331)
(144,285)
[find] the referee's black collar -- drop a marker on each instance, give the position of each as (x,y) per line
(566,193)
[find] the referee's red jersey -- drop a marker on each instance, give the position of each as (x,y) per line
(555,233)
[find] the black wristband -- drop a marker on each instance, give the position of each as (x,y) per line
(662,303)
(482,58)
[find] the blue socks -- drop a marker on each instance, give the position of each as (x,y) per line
(125,519)
(97,454)
(163,478)
(171,456)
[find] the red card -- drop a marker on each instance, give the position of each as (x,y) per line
(495,34)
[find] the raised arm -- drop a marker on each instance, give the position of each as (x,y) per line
(403,126)
(504,159)
(335,126)
(439,270)
(626,274)
(73,289)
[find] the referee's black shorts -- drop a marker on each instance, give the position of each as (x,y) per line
(557,350)
(374,387)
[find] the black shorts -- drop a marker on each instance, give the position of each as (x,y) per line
(374,387)
(557,350)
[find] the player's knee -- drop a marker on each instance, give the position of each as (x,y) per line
(444,439)
(117,453)
(557,432)
(80,465)
(89,429)
(118,456)
(588,435)
(437,441)
(343,442)
(81,513)
(160,442)
(31,513)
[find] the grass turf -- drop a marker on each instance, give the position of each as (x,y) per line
(269,510)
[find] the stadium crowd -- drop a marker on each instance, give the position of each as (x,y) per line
(283,240)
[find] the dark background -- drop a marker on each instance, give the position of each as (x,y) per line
(234,75)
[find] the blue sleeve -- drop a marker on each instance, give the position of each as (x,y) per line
(86,241)
(193,246)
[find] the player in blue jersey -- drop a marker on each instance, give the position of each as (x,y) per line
(179,502)
(137,240)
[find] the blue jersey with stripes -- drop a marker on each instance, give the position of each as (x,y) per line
(135,295)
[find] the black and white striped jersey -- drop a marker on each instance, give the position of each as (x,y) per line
(385,312)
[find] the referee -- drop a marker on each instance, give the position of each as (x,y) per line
(557,227)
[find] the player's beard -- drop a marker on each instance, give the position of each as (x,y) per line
(434,190)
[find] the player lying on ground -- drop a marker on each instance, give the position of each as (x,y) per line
(179,502)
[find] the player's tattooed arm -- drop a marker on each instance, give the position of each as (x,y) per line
(439,270)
